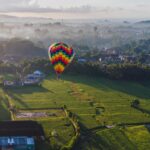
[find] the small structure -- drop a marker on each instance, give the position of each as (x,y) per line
(34,79)
(17,143)
(20,135)
(110,126)
(82,60)
(9,83)
(38,74)
(31,79)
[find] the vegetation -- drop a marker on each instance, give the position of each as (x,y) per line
(95,102)
(140,47)
(93,99)
(27,49)
(130,138)
(126,71)
(134,72)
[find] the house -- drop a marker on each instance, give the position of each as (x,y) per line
(9,83)
(82,60)
(109,58)
(30,79)
(38,74)
(20,135)
(17,143)
(34,79)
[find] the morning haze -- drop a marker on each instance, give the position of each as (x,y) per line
(65,9)
(74,75)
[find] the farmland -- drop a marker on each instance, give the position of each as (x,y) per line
(97,102)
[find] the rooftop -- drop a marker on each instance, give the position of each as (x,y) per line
(21,128)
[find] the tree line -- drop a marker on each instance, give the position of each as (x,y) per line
(124,71)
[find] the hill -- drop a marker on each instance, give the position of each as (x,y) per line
(144,22)
(21,49)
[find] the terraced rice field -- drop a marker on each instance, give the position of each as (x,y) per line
(96,102)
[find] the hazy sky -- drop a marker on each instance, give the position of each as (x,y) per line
(77,8)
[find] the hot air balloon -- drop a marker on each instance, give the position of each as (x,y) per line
(60,55)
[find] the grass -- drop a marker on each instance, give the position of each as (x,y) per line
(108,139)
(51,94)
(4,110)
(95,101)
(64,131)
(130,138)
(139,136)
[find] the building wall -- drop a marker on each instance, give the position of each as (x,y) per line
(17,143)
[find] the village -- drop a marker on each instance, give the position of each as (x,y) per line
(31,79)
(112,56)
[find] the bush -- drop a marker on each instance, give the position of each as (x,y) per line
(135,103)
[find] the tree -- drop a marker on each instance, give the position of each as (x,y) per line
(135,103)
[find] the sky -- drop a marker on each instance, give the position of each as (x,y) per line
(77,9)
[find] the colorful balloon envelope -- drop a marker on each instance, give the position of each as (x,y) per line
(60,55)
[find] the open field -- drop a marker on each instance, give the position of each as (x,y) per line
(4,110)
(129,138)
(95,101)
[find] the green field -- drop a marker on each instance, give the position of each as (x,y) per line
(96,102)
(130,138)
(4,110)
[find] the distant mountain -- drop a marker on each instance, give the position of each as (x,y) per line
(7,16)
(17,17)
(143,22)
(21,49)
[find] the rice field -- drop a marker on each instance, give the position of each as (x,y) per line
(96,102)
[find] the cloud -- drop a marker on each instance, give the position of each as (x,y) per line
(77,9)
(32,6)
(12,5)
